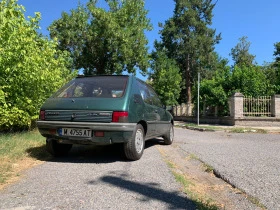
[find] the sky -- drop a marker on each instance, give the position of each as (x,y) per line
(256,19)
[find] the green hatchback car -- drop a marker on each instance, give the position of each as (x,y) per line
(104,110)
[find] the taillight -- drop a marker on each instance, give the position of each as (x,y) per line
(120,117)
(42,115)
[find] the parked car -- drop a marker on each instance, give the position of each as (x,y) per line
(104,110)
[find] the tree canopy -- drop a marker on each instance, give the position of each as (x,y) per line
(240,53)
(31,67)
(165,78)
(189,40)
(105,41)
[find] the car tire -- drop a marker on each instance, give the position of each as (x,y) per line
(169,137)
(56,149)
(134,148)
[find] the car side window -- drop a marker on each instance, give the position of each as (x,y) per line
(144,92)
(149,95)
(154,98)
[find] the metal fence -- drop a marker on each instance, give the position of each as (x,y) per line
(257,107)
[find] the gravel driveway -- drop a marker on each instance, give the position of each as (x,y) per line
(98,178)
(250,162)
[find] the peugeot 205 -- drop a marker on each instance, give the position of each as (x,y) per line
(104,110)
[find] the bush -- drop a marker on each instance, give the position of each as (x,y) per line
(31,67)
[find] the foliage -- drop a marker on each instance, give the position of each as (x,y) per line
(105,41)
(189,40)
(240,53)
(30,67)
(249,80)
(216,90)
(166,78)
(272,70)
(277,52)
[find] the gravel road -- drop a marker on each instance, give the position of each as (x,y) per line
(251,162)
(97,178)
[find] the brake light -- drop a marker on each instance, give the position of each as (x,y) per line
(120,117)
(42,115)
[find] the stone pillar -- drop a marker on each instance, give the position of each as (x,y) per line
(275,106)
(189,109)
(236,105)
(184,110)
(178,111)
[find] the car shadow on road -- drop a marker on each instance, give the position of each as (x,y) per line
(89,153)
(149,192)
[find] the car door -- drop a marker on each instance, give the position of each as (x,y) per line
(162,123)
(150,111)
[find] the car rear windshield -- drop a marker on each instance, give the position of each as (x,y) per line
(99,86)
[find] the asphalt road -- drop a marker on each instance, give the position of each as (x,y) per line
(98,178)
(251,162)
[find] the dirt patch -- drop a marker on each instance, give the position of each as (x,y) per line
(205,185)
(17,170)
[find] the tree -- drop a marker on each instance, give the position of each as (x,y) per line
(165,78)
(189,40)
(105,41)
(249,80)
(277,52)
(272,71)
(240,53)
(31,68)
(276,63)
(215,91)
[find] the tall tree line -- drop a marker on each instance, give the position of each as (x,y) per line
(189,40)
(112,40)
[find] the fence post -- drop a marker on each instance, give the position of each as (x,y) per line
(236,105)
(275,106)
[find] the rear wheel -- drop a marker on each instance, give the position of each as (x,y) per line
(56,149)
(168,138)
(134,148)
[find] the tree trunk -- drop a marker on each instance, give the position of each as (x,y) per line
(188,81)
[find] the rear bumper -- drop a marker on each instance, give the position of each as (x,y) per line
(113,132)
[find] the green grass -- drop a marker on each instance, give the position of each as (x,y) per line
(206,127)
(229,129)
(208,168)
(247,130)
(15,147)
(201,202)
(193,157)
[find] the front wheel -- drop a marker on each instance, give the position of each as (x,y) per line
(56,149)
(134,148)
(169,137)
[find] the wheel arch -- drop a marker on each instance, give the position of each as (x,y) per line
(144,125)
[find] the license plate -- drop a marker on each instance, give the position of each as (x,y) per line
(75,132)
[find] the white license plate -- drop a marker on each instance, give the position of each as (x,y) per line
(75,132)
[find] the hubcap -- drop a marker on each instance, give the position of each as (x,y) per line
(139,141)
